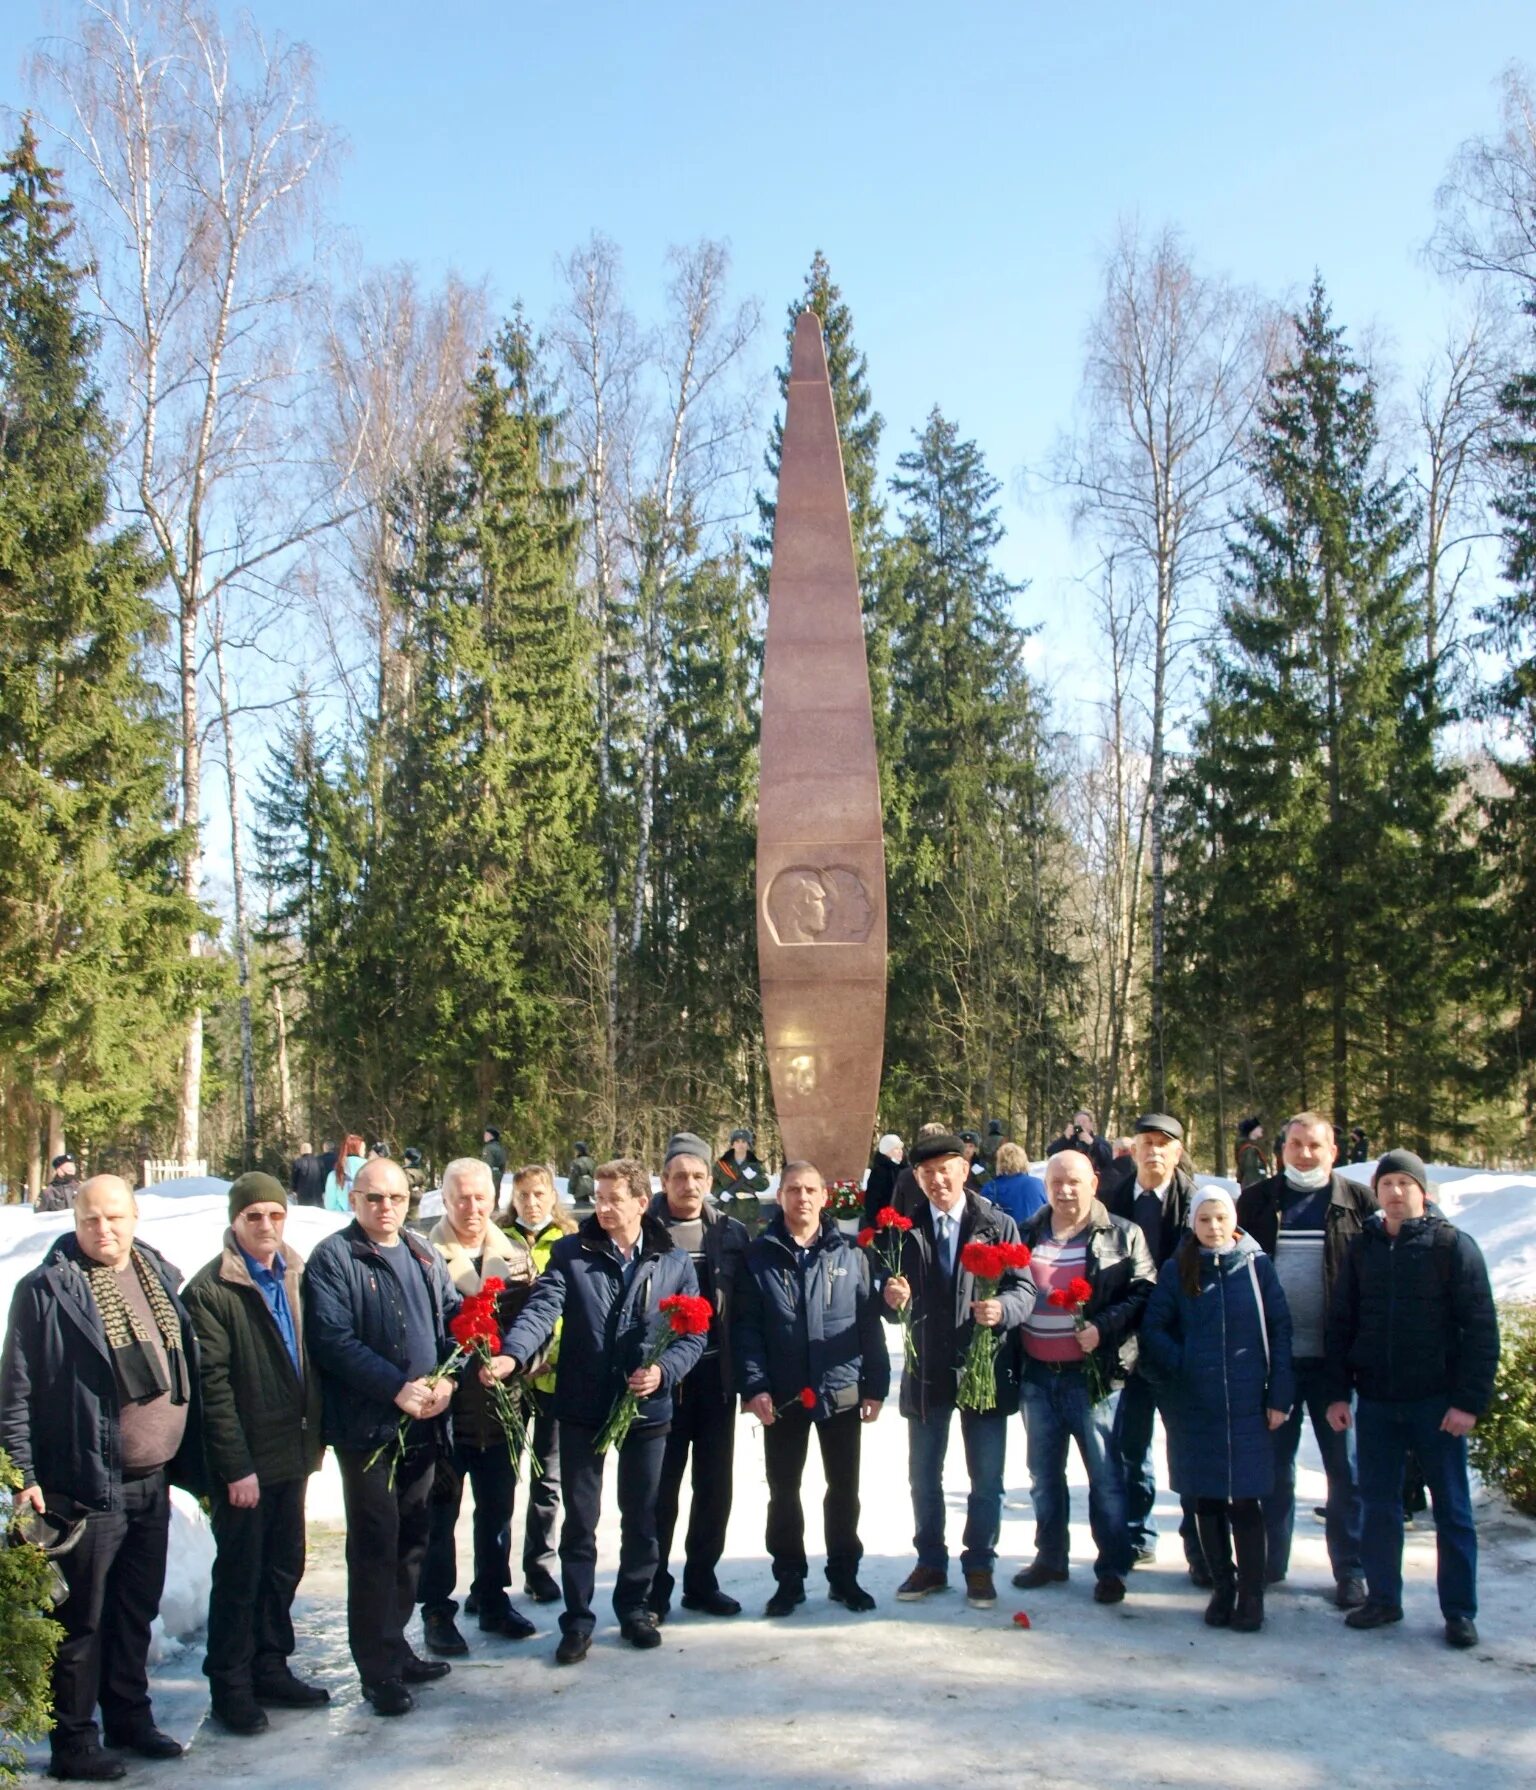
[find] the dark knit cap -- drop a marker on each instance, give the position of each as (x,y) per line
(929,1149)
(685,1143)
(1402,1162)
(255,1189)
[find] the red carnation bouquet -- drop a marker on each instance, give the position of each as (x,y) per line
(886,1236)
(477,1331)
(686,1314)
(1074,1297)
(986,1263)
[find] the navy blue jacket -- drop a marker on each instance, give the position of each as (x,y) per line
(942,1332)
(59,1402)
(607,1328)
(818,1328)
(354,1324)
(1413,1317)
(1208,1356)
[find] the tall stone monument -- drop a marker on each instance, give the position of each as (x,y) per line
(820,847)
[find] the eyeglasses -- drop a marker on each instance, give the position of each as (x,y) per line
(385,1199)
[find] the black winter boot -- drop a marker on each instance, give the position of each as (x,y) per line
(1216,1544)
(1248,1533)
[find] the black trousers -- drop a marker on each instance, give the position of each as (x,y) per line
(1241,1523)
(581,1478)
(543,1523)
(491,1479)
(256,1571)
(703,1425)
(115,1574)
(786,1441)
(386,1542)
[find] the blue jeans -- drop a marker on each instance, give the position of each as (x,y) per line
(1387,1431)
(985,1435)
(1338,1452)
(1057,1411)
(1132,1442)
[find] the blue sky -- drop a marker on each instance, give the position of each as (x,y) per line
(963,168)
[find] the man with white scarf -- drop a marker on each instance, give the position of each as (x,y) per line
(1304,1218)
(474,1250)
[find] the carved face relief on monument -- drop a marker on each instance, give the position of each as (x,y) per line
(819,906)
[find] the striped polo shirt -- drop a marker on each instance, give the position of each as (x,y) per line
(1049,1333)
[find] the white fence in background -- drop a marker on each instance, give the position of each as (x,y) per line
(174,1171)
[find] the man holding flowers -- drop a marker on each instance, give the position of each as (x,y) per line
(621,1355)
(1093,1276)
(475,1250)
(377,1302)
(810,1354)
(947,1308)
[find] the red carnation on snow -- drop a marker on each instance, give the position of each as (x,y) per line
(1020,1619)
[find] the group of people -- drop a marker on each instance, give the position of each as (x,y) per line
(1365,1311)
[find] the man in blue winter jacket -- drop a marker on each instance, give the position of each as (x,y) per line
(810,1353)
(607,1282)
(1413,1330)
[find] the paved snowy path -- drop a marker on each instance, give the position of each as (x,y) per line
(930,1694)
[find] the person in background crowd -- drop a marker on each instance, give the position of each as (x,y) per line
(59,1194)
(377,1302)
(975,1163)
(1121,1147)
(415,1180)
(1081,1134)
(1012,1187)
(306,1180)
(348,1166)
(377,1149)
(494,1155)
(1155,1198)
(1253,1162)
(810,1355)
(908,1196)
(1064,1399)
(1359,1145)
(884,1170)
(578,1177)
(99,1407)
(607,1283)
(1304,1219)
(474,1251)
(541,1221)
(704,1401)
(945,1310)
(1413,1330)
(992,1140)
(261,1435)
(738,1177)
(1216,1338)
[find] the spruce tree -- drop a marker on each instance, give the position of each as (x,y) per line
(93,927)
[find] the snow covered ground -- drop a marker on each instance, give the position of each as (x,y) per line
(1138,1695)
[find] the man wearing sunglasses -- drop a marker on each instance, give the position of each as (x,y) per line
(377,1301)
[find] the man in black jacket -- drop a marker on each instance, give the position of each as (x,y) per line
(810,1353)
(1155,1198)
(99,1408)
(1413,1330)
(704,1406)
(261,1434)
(941,1291)
(1304,1219)
(606,1284)
(377,1300)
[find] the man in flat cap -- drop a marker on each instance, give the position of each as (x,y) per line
(945,1311)
(1156,1200)
(261,1434)
(59,1194)
(704,1402)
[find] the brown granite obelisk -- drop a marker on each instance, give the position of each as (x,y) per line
(820,848)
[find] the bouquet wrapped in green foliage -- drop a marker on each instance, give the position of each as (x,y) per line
(28,1636)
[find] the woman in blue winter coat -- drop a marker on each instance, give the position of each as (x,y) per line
(1216,1340)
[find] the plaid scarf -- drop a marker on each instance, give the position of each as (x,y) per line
(140,1377)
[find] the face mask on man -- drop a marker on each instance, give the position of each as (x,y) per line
(1307,1180)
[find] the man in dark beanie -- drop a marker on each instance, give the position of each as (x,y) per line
(704,1403)
(261,1434)
(1412,1330)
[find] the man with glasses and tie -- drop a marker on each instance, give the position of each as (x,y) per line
(377,1301)
(944,1314)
